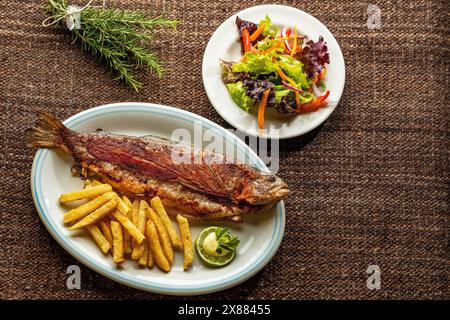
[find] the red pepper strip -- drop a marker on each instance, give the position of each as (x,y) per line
(246,40)
(262,107)
(258,31)
(314,105)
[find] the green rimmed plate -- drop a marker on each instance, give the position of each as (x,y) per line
(260,234)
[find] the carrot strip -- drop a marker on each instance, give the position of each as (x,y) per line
(284,76)
(258,31)
(262,107)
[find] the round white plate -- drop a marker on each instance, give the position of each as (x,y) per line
(223,45)
(50,176)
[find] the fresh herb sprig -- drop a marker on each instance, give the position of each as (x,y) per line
(120,38)
(226,241)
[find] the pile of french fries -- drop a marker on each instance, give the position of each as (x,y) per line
(129,229)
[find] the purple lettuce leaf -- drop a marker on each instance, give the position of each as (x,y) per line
(315,55)
(256,88)
(243,24)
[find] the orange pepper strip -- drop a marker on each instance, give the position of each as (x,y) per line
(246,40)
(262,107)
(294,46)
(284,76)
(258,31)
(274,47)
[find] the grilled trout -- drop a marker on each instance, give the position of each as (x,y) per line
(206,187)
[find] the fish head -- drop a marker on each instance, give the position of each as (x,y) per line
(264,189)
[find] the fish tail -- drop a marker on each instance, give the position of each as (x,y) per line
(47,133)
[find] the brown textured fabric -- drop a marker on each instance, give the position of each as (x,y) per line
(369,187)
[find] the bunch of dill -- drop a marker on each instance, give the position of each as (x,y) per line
(120,38)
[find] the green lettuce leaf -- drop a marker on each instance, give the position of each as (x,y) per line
(295,70)
(255,64)
(280,92)
(267,43)
(269,30)
(239,95)
(306,97)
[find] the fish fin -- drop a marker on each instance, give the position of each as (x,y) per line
(46,132)
(152,138)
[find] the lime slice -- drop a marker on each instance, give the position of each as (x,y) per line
(202,247)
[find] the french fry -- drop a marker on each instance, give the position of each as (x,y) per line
(144,258)
(159,208)
(118,242)
(150,260)
(89,184)
(134,218)
(105,227)
(155,246)
(162,233)
(138,250)
(127,241)
(96,215)
(121,205)
(99,238)
(85,209)
(126,234)
(129,226)
(85,193)
(127,202)
(188,249)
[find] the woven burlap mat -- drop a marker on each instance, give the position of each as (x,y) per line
(370,187)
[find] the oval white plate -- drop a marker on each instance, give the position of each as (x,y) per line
(223,45)
(260,235)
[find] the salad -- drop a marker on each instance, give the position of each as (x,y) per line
(279,69)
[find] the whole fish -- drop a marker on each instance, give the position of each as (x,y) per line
(201,186)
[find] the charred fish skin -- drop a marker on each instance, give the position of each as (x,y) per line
(143,167)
